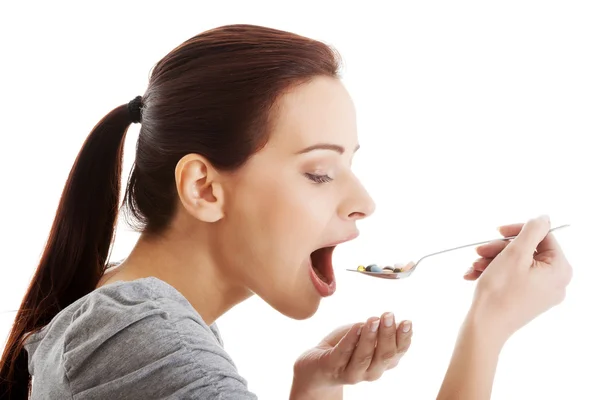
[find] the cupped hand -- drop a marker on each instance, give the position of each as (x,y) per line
(522,278)
(355,353)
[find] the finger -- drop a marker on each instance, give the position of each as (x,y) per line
(403,336)
(481,264)
(472,274)
(527,241)
(511,230)
(403,340)
(386,346)
(492,249)
(549,242)
(363,353)
(343,350)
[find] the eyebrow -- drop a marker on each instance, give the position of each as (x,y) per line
(326,146)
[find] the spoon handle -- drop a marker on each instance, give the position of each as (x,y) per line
(478,243)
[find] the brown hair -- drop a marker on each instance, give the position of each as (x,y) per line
(213,95)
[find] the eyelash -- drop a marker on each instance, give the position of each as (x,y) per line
(318,178)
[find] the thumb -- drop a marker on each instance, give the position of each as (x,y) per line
(533,232)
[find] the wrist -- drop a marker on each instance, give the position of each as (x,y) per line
(305,390)
(470,375)
(483,328)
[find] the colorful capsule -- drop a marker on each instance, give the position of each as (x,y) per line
(397,268)
(403,267)
(374,268)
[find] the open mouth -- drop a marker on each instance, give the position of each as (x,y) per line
(322,264)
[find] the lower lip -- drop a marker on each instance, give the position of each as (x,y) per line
(323,289)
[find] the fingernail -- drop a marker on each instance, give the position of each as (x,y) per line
(388,320)
(374,325)
(406,326)
(469,271)
(359,330)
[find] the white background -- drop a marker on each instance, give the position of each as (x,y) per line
(471,115)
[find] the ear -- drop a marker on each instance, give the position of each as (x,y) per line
(199,188)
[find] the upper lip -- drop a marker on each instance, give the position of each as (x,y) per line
(346,238)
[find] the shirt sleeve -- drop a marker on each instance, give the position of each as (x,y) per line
(147,350)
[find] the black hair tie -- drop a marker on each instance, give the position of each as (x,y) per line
(135,109)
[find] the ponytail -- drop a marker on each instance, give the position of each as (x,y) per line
(76,252)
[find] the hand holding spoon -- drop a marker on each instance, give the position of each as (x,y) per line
(406,270)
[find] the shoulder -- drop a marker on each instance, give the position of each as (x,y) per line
(127,306)
(144,337)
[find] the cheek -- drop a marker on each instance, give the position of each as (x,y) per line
(280,221)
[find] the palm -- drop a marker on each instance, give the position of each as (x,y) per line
(345,357)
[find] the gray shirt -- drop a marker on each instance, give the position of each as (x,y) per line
(132,340)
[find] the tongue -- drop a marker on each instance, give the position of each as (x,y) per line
(320,275)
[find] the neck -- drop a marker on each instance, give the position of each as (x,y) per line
(187,263)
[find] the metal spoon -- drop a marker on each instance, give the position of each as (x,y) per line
(406,274)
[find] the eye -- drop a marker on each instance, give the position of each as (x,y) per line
(318,178)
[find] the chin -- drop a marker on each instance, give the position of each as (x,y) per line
(315,281)
(300,309)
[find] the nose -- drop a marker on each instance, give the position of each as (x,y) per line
(358,204)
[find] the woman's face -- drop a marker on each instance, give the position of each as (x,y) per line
(295,196)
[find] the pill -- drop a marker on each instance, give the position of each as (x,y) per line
(388,268)
(396,270)
(361,268)
(374,268)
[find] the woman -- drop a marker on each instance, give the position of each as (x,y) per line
(241,185)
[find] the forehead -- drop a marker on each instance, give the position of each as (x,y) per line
(316,112)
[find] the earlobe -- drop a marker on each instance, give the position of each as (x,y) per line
(198,188)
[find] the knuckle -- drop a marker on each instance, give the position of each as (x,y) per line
(364,360)
(404,345)
(511,251)
(373,375)
(564,275)
(353,379)
(338,372)
(388,355)
(480,265)
(346,352)
(394,363)
(390,333)
(496,246)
